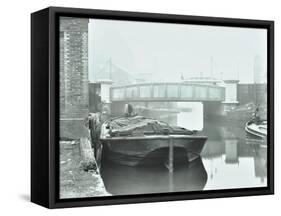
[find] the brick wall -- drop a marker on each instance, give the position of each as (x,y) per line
(74,93)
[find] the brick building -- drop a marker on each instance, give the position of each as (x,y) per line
(74,92)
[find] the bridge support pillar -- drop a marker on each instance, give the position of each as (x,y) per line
(99,98)
(105,86)
(231,101)
(213,109)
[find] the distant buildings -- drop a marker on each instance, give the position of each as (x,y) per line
(255,93)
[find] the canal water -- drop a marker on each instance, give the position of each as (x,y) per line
(229,160)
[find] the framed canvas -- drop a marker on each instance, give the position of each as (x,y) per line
(140,107)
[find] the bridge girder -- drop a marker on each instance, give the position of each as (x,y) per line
(152,92)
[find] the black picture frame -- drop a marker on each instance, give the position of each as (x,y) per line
(45,106)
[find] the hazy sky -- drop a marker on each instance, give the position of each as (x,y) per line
(168,51)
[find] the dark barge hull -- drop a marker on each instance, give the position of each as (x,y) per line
(137,150)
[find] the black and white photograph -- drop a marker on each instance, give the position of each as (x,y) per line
(140,107)
(147,107)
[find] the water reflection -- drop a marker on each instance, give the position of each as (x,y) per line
(231,161)
(121,180)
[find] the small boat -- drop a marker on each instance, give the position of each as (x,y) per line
(139,140)
(257,128)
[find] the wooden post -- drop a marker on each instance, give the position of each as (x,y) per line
(171,182)
(99,156)
(88,160)
(171,164)
(171,155)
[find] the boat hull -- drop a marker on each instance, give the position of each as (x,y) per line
(252,131)
(135,151)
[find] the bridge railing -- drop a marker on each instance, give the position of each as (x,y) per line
(167,92)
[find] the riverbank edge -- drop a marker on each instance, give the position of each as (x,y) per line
(75,180)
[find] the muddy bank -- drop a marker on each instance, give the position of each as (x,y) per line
(74,181)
